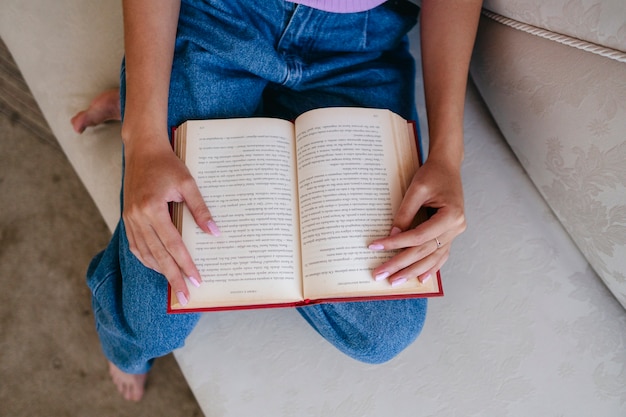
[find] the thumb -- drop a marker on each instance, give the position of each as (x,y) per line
(409,207)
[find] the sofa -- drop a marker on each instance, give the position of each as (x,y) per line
(532,322)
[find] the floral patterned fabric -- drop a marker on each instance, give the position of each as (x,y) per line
(563,112)
(602,22)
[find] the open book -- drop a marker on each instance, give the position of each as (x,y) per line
(297,204)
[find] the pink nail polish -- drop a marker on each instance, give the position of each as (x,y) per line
(194,281)
(376,246)
(394,231)
(397,282)
(425,278)
(182,299)
(215,231)
(381,276)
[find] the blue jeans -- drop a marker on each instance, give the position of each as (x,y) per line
(264,58)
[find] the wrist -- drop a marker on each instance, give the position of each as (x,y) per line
(144,120)
(448,151)
(145,143)
(141,134)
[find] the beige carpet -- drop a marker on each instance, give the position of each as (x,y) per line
(50,359)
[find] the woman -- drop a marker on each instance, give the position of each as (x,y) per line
(237,58)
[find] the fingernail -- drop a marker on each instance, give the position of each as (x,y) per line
(194,281)
(376,246)
(394,231)
(182,299)
(397,282)
(381,276)
(215,231)
(425,278)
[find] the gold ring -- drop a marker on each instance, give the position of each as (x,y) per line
(438,243)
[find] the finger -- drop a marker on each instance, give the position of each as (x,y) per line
(172,242)
(414,197)
(169,267)
(412,255)
(440,223)
(402,260)
(417,269)
(426,276)
(145,256)
(442,241)
(153,253)
(137,233)
(137,246)
(198,208)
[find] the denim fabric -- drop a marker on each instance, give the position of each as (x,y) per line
(269,58)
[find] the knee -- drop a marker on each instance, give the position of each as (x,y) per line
(375,354)
(160,334)
(382,346)
(370,332)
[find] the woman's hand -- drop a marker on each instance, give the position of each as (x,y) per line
(448,30)
(436,185)
(154,177)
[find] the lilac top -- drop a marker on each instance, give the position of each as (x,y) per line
(340,6)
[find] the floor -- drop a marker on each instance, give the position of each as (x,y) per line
(50,359)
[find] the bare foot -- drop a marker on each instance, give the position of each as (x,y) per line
(104,108)
(129,385)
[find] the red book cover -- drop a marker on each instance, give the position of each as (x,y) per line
(363,288)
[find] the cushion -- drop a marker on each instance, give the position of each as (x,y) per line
(601,22)
(562,110)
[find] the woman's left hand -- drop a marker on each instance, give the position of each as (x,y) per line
(436,185)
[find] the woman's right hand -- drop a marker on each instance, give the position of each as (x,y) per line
(154,177)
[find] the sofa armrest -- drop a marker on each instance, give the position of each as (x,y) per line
(560,105)
(601,22)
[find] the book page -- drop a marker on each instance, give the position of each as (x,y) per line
(244,169)
(352,175)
